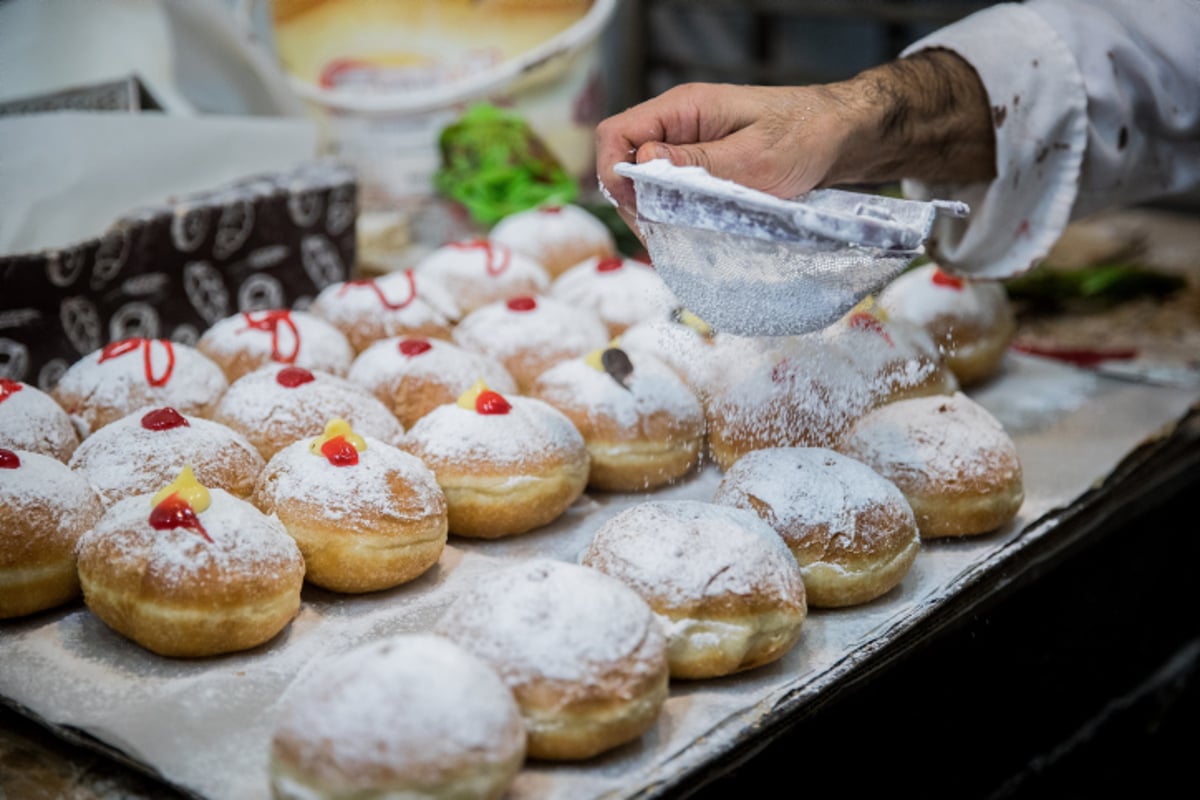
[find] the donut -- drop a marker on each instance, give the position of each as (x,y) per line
(136,373)
(44,509)
(682,340)
(371,309)
(972,321)
(506,465)
(413,715)
(412,376)
(801,392)
(143,451)
(477,272)
(644,428)
(33,421)
(190,572)
(276,405)
(582,653)
(850,529)
(725,587)
(956,465)
(897,358)
(243,342)
(528,335)
(556,236)
(621,291)
(366,515)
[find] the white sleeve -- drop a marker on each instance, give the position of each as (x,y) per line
(1096,103)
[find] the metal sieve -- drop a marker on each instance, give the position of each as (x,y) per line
(755,265)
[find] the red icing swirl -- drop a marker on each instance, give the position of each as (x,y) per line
(940,278)
(861,320)
(9,459)
(291,377)
(8,388)
(498,256)
(340,452)
(120,348)
(373,285)
(610,264)
(164,419)
(522,304)
(551,209)
(269,322)
(489,402)
(414,347)
(174,512)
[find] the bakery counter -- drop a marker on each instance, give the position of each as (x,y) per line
(107,718)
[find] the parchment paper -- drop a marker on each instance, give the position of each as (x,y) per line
(205,725)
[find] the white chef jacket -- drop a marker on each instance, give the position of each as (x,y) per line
(1096,103)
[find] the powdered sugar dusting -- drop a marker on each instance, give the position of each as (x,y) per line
(915,297)
(44,490)
(621,297)
(538,233)
(413,703)
(556,620)
(552,330)
(287,337)
(382,366)
(684,551)
(530,428)
(474,276)
(390,305)
(31,420)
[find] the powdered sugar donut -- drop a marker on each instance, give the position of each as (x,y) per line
(190,571)
(621,291)
(724,586)
(366,311)
(143,451)
(951,458)
(643,426)
(972,322)
(413,715)
(556,236)
(850,529)
(477,272)
(528,335)
(124,376)
(243,342)
(413,376)
(582,653)
(32,420)
(44,509)
(367,516)
(697,353)
(506,465)
(276,405)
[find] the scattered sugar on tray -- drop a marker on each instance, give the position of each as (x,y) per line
(531,426)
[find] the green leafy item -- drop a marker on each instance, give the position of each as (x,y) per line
(494,164)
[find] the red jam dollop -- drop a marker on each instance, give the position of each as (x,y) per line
(945,279)
(174,512)
(340,452)
(490,402)
(522,304)
(291,377)
(610,264)
(414,347)
(8,388)
(9,459)
(164,419)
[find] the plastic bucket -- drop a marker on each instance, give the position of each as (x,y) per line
(386,120)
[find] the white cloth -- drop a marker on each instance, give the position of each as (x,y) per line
(1096,104)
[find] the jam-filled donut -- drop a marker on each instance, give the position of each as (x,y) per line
(477,272)
(371,309)
(528,335)
(622,291)
(850,529)
(44,509)
(131,374)
(953,460)
(583,654)
(276,405)
(143,451)
(32,420)
(725,587)
(556,236)
(243,342)
(191,572)
(367,516)
(643,426)
(682,340)
(412,376)
(971,321)
(506,465)
(413,715)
